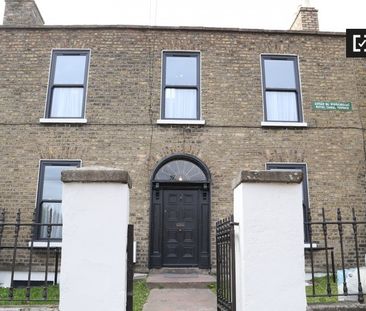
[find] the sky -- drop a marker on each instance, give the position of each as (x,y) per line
(334,15)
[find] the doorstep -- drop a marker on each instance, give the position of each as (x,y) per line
(179,278)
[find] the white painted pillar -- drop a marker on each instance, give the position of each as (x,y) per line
(95,205)
(270,271)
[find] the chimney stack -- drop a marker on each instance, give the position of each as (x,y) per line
(22,13)
(306,18)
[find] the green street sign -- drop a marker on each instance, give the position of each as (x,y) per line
(335,106)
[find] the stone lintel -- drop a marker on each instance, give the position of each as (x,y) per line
(96,174)
(270,176)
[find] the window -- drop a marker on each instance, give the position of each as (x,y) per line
(50,195)
(180,170)
(67,85)
(305,196)
(181,86)
(281,89)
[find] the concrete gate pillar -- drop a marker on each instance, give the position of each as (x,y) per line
(270,272)
(95,207)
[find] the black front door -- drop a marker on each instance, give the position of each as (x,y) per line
(180,230)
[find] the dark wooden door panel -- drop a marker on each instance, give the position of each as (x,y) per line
(180,227)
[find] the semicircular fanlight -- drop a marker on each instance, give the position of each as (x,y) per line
(180,170)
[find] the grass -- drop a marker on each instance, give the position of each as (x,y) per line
(19,295)
(140,294)
(213,287)
(321,289)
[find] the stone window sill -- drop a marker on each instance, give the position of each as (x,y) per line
(63,120)
(307,245)
(43,244)
(184,122)
(283,124)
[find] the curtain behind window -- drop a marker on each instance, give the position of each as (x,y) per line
(56,232)
(67,102)
(281,106)
(180,104)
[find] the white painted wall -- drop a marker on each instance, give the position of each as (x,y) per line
(93,263)
(269,247)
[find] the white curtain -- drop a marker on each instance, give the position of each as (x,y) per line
(180,104)
(67,102)
(281,106)
(56,232)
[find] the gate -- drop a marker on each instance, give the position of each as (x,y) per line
(129,305)
(225,256)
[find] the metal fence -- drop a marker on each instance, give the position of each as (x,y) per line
(344,244)
(335,255)
(29,268)
(20,254)
(225,256)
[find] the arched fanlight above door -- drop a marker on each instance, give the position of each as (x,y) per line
(180,171)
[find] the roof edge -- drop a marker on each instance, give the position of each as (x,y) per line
(174,28)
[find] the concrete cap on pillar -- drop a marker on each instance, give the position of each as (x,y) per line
(96,174)
(270,176)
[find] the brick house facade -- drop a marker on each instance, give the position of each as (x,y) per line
(123,106)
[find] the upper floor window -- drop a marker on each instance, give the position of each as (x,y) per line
(281,89)
(67,84)
(49,197)
(181,86)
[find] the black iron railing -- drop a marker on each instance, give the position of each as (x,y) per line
(129,305)
(335,238)
(225,256)
(19,253)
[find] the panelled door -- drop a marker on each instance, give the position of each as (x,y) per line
(180,227)
(180,213)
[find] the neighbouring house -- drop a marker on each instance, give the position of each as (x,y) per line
(183,110)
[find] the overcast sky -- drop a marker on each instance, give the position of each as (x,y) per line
(334,15)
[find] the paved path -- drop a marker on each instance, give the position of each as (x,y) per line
(181,299)
(179,280)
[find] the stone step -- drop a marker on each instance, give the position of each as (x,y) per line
(179,280)
(185,270)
